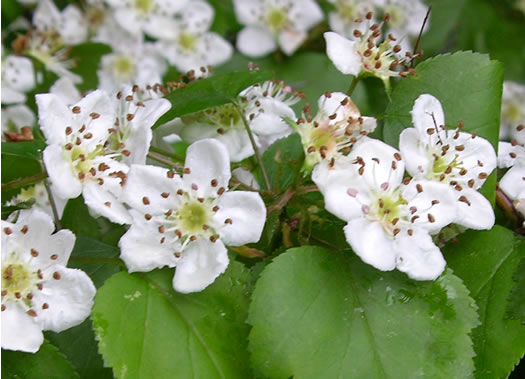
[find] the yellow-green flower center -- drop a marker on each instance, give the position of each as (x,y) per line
(512,112)
(397,17)
(388,207)
(144,6)
(348,12)
(123,67)
(187,41)
(194,216)
(17,279)
(277,19)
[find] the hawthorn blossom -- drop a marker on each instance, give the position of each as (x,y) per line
(274,23)
(193,45)
(343,19)
(365,55)
(69,24)
(513,112)
(18,78)
(263,106)
(76,157)
(462,160)
(389,223)
(335,128)
(513,182)
(65,89)
(38,195)
(38,291)
(154,17)
(187,221)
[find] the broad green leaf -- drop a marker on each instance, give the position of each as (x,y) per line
(76,218)
(211,92)
(10,11)
(283,161)
(486,261)
(321,314)
(516,305)
(146,329)
(87,60)
(469,87)
(15,169)
(48,362)
(26,149)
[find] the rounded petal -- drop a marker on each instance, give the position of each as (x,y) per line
(305,14)
(426,110)
(70,299)
(218,50)
(73,27)
(65,184)
(201,263)
(477,213)
(418,256)
(513,182)
(370,242)
(255,42)
(342,53)
(207,160)
(145,186)
(53,115)
(104,203)
(141,250)
(65,89)
(247,11)
(291,40)
(197,17)
(20,331)
(270,121)
(414,153)
(160,26)
(247,213)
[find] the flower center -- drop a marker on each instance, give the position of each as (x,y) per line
(193,216)
(224,118)
(18,280)
(144,6)
(512,112)
(397,17)
(123,67)
(387,208)
(187,41)
(277,19)
(347,11)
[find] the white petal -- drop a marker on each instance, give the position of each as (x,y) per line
(104,203)
(197,17)
(270,121)
(146,184)
(414,153)
(70,299)
(218,50)
(201,263)
(207,160)
(245,177)
(238,144)
(478,215)
(140,247)
(442,213)
(74,27)
(247,11)
(20,331)
(255,42)
(66,91)
(427,109)
(308,14)
(65,183)
(46,15)
(53,116)
(291,40)
(129,20)
(342,53)
(418,256)
(247,212)
(513,182)
(12,96)
(160,27)
(369,241)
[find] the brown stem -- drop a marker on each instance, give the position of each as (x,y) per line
(416,47)
(18,183)
(282,201)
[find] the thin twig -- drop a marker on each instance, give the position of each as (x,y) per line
(163,160)
(18,183)
(352,86)
(254,145)
(416,47)
(282,201)
(50,197)
(506,205)
(175,157)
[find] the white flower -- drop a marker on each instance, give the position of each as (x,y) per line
(513,182)
(365,55)
(140,65)
(462,160)
(38,194)
(17,78)
(343,19)
(335,128)
(38,291)
(513,112)
(272,23)
(65,89)
(154,17)
(186,222)
(389,223)
(192,45)
(263,106)
(131,133)
(76,158)
(70,23)
(15,118)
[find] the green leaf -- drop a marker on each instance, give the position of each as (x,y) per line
(516,305)
(48,362)
(87,58)
(469,87)
(211,92)
(76,218)
(146,329)
(486,261)
(321,314)
(283,161)
(26,149)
